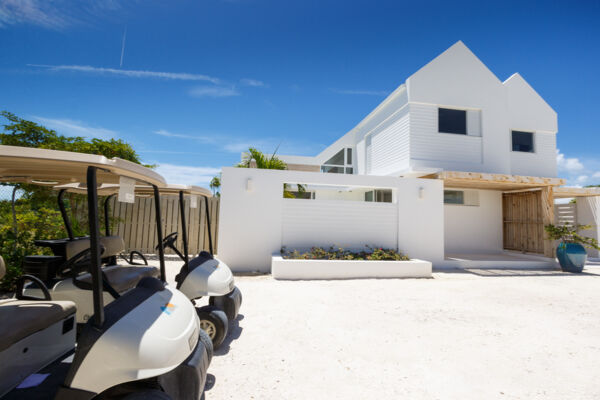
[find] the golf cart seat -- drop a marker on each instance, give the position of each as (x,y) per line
(46,327)
(121,278)
(26,317)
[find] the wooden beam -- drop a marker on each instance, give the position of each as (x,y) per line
(459,179)
(547,206)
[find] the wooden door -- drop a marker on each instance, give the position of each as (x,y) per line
(523,218)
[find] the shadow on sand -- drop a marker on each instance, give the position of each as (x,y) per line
(235,330)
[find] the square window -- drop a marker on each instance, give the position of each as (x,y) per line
(452,121)
(454,197)
(522,141)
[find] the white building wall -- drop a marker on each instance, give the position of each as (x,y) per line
(389,149)
(474,229)
(542,162)
(458,79)
(442,149)
(251,215)
(588,213)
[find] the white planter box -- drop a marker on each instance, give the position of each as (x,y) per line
(347,269)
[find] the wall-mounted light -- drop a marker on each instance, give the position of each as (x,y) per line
(249,185)
(421,192)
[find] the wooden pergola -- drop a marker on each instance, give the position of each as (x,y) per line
(528,205)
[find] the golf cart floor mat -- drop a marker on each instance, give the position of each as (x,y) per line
(43,384)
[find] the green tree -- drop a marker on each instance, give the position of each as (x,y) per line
(257,159)
(215,185)
(261,160)
(24,133)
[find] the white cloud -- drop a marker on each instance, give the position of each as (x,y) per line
(70,127)
(213,91)
(252,82)
(183,76)
(34,12)
(54,14)
(569,165)
(581,179)
(596,175)
(182,174)
(361,92)
(200,138)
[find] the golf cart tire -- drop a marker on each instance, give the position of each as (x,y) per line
(152,394)
(218,319)
(208,344)
(230,303)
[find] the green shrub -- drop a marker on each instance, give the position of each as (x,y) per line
(370,253)
(42,223)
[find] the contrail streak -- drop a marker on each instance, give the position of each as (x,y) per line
(123,47)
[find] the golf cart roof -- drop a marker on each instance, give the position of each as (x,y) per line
(107,189)
(55,167)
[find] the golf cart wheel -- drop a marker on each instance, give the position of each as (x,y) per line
(151,394)
(230,303)
(208,344)
(214,322)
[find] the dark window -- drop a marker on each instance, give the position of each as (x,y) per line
(338,159)
(522,141)
(332,170)
(384,196)
(348,156)
(369,196)
(452,121)
(349,170)
(454,197)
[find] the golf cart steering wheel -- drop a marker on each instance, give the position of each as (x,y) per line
(169,240)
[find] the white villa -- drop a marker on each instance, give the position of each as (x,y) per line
(480,150)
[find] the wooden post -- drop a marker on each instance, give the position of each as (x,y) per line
(547,205)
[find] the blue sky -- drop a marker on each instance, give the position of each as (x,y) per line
(199,81)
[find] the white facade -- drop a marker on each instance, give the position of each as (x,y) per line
(401,136)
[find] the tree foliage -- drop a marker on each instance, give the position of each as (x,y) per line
(261,160)
(24,133)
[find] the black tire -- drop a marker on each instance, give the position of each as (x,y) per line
(227,303)
(217,323)
(208,344)
(151,394)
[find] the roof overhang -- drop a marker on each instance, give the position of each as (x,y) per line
(568,192)
(476,180)
(54,167)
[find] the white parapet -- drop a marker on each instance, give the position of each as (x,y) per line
(347,269)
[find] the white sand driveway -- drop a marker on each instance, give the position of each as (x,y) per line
(482,335)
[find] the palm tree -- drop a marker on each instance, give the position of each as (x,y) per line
(261,160)
(215,185)
(256,159)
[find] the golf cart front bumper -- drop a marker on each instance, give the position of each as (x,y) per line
(229,303)
(187,381)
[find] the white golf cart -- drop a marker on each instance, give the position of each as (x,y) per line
(202,276)
(144,344)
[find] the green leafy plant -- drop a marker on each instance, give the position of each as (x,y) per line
(570,234)
(339,253)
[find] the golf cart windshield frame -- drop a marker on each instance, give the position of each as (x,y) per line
(52,167)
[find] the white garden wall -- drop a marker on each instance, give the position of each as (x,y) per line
(255,219)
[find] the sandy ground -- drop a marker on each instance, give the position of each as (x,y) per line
(470,335)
